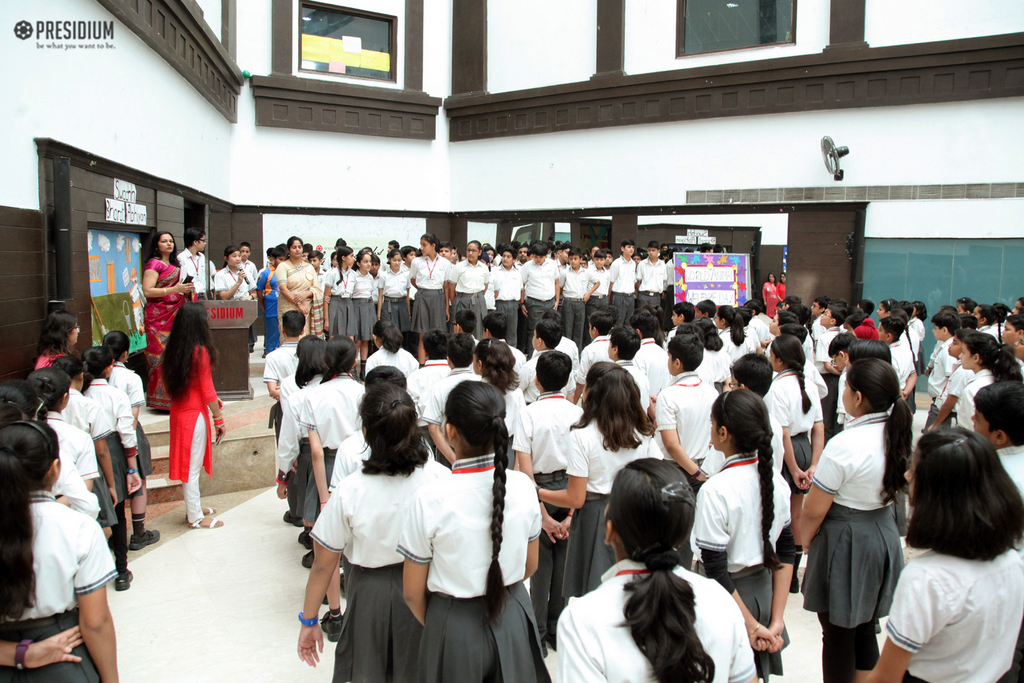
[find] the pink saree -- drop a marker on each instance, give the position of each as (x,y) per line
(159,316)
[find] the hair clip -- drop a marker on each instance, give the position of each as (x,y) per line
(676,492)
(395,403)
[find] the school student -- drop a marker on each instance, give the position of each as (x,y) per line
(651,277)
(955,604)
(683,407)
(849,520)
(830,324)
(281,363)
(507,285)
(715,368)
(427,275)
(598,272)
(420,382)
(379,637)
(1013,335)
(577,283)
(463,577)
(944,327)
(798,412)
(652,619)
(893,331)
(613,430)
(547,336)
(267,291)
(732,329)
(565,345)
(601,320)
(755,324)
(393,297)
(338,285)
(622,283)
(495,364)
(542,452)
(651,358)
(542,288)
(839,352)
(55,566)
(988,321)
(496,327)
(623,344)
(362,312)
(918,316)
(990,362)
(464,321)
(388,340)
(467,285)
(460,362)
(742,525)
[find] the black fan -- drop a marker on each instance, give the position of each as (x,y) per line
(832,154)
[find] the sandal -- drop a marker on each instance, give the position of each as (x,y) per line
(209,511)
(214,524)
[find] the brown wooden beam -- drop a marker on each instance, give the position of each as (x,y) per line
(469,46)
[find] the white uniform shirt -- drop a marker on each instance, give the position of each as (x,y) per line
(507,285)
(715,460)
(281,362)
(852,466)
(589,458)
(292,433)
(331,409)
(902,360)
(685,406)
(340,282)
(991,329)
(394,285)
(539,281)
(594,643)
(821,356)
(942,368)
(622,276)
(85,413)
(575,283)
(515,404)
(965,406)
(429,274)
(433,411)
(363,285)
(716,366)
(760,330)
(364,516)
(469,279)
(594,352)
(601,276)
(728,517)
(128,382)
(530,391)
(253,272)
(403,360)
(194,266)
(958,380)
(70,557)
(1012,458)
(543,432)
(640,378)
(652,276)
(420,382)
(114,403)
(568,347)
(224,280)
(653,360)
(916,329)
(75,445)
(749,344)
(786,404)
(958,617)
(449,526)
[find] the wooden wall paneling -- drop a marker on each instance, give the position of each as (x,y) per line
(846,25)
(22,290)
(611,41)
(817,261)
(469,46)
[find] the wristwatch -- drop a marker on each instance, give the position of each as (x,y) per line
(19,654)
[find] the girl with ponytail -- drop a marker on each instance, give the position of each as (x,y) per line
(734,333)
(469,542)
(494,362)
(798,412)
(388,340)
(850,523)
(989,321)
(715,367)
(55,566)
(379,637)
(742,526)
(991,361)
(680,627)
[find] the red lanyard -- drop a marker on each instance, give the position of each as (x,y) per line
(470,470)
(632,571)
(430,268)
(647,342)
(683,383)
(739,463)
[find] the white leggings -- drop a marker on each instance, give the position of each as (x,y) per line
(193,509)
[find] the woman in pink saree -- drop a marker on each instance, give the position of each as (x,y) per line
(165,294)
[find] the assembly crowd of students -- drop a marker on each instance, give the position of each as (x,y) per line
(631,500)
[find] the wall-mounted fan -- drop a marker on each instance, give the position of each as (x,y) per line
(831,155)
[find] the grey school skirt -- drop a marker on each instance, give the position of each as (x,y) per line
(754,584)
(458,646)
(802,453)
(475,303)
(395,310)
(107,516)
(853,565)
(361,317)
(587,556)
(380,638)
(41,629)
(118,466)
(338,310)
(312,508)
(428,311)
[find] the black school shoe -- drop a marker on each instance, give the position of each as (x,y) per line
(307,560)
(289,518)
(123,581)
(304,540)
(331,626)
(148,537)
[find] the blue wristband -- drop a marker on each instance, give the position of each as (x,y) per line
(307,622)
(132,470)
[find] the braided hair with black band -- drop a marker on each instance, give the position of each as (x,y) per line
(790,353)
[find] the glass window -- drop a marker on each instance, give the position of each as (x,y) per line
(716,25)
(342,41)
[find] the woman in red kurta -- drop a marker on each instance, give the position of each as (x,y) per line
(770,294)
(187,362)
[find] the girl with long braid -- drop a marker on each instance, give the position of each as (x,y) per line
(742,526)
(798,411)
(469,542)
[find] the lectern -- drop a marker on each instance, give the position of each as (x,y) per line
(229,331)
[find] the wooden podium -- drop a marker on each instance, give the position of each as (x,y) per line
(229,331)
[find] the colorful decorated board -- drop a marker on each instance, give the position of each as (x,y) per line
(723,278)
(115,283)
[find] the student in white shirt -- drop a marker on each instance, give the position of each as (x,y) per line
(565,345)
(467,285)
(954,385)
(193,261)
(393,299)
(838,351)
(428,274)
(52,385)
(542,453)
(379,637)
(577,285)
(755,324)
(733,330)
(623,344)
(945,325)
(231,281)
(542,288)
(849,521)
(362,311)
(991,362)
(955,604)
(684,407)
(495,327)
(831,321)
(918,315)
(613,430)
(55,572)
(715,368)
(787,322)
(622,283)
(651,277)
(893,331)
(546,337)
(495,364)
(338,291)
(989,321)
(388,340)
(463,576)
(601,321)
(598,272)
(507,285)
(652,619)
(282,362)
(420,382)
(651,358)
(742,524)
(460,360)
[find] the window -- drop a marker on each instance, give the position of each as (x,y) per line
(717,25)
(337,40)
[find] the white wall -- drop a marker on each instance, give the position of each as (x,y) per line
(951,218)
(126,104)
(921,21)
(651,38)
(212,13)
(532,43)
(485,233)
(774,226)
(358,231)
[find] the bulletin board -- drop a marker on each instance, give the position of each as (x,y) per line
(722,278)
(115,285)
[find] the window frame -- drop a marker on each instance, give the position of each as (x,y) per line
(681,35)
(392,21)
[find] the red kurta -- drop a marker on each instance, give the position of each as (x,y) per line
(184,412)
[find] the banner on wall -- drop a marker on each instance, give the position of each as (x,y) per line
(115,286)
(722,278)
